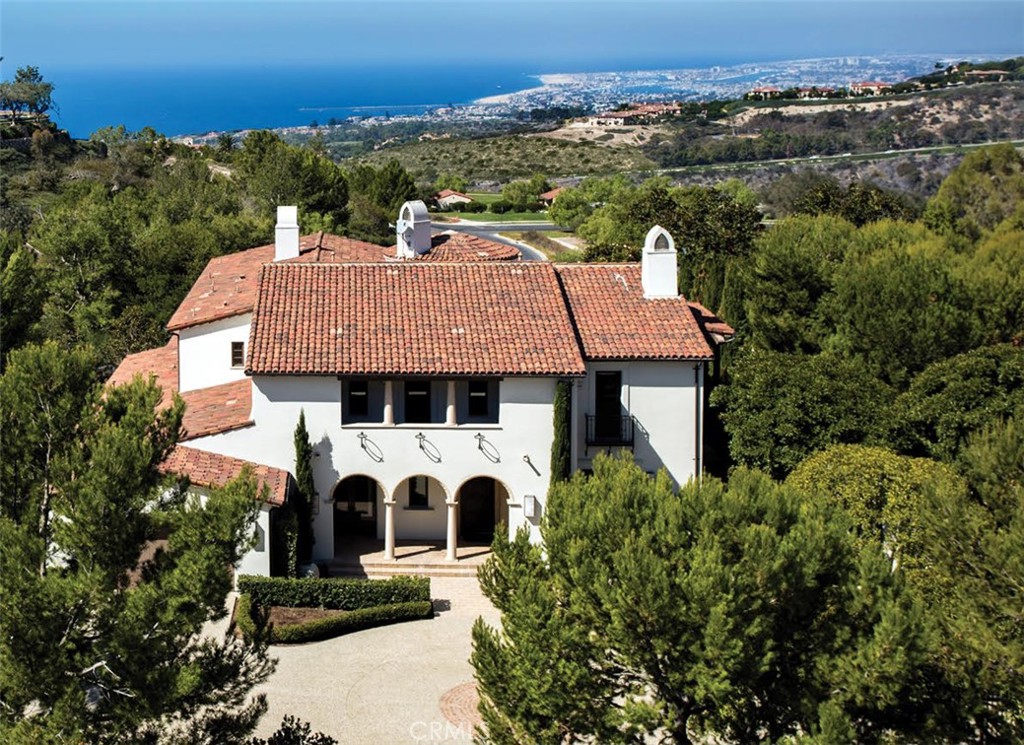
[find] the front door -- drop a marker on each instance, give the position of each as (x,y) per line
(608,405)
(476,510)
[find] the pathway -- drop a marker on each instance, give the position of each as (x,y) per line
(393,684)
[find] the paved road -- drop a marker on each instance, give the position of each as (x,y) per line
(407,684)
(490,232)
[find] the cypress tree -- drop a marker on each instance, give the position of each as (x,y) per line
(305,492)
(560,445)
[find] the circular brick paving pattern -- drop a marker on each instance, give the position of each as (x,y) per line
(459,704)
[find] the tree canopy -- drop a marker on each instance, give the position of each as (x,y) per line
(108,571)
(743,611)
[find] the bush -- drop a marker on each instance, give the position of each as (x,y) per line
(335,594)
(328,628)
(468,207)
(501,206)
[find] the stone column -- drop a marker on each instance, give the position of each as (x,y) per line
(389,529)
(452,538)
(450,413)
(389,407)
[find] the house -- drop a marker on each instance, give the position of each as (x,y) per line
(447,197)
(763,93)
(548,197)
(427,374)
(814,92)
(873,88)
(641,113)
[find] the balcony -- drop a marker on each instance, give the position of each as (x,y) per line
(610,431)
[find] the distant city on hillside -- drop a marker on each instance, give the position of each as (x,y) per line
(601,91)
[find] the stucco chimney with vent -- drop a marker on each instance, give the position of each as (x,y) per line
(659,271)
(413,229)
(286,233)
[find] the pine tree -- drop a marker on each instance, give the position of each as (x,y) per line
(744,611)
(306,490)
(97,643)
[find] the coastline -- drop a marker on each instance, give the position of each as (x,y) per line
(603,91)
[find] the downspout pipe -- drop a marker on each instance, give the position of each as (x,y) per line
(698,387)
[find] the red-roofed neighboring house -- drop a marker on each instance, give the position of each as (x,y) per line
(763,93)
(548,197)
(427,373)
(447,197)
(870,88)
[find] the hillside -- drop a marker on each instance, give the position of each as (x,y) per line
(508,157)
(786,129)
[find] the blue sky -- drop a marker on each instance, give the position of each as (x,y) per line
(556,35)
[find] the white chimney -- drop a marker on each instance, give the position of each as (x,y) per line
(286,233)
(659,271)
(413,229)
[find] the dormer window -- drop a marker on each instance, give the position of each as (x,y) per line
(238,354)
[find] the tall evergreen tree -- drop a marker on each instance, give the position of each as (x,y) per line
(108,572)
(561,444)
(305,494)
(744,611)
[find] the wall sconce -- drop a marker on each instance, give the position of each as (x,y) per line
(487,448)
(527,461)
(429,449)
(529,505)
(371,448)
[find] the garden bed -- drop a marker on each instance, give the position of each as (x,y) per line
(304,610)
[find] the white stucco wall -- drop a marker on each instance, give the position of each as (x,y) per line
(663,398)
(520,443)
(204,352)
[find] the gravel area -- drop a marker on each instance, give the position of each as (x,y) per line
(402,684)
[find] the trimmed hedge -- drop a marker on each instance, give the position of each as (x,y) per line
(328,628)
(334,594)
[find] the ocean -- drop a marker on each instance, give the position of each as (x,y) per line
(194,101)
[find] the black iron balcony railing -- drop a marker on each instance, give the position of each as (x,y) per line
(609,431)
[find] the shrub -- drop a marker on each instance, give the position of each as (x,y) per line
(336,594)
(327,628)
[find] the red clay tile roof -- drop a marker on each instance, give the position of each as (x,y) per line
(208,411)
(161,363)
(227,286)
(550,195)
(213,470)
(616,322)
(709,322)
(464,247)
(451,193)
(412,318)
(220,408)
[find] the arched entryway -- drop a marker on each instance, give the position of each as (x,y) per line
(355,508)
(482,505)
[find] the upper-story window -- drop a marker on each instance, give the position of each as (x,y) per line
(481,402)
(417,402)
(362,401)
(358,398)
(238,354)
